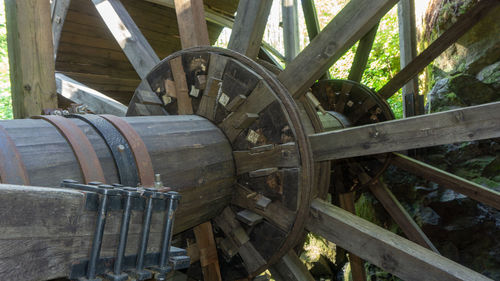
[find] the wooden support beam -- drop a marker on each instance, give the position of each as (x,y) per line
(290,268)
(337,37)
(78,93)
(248,29)
(392,253)
(208,251)
(400,215)
(135,46)
(290,16)
(362,54)
(408,51)
(192,24)
(467,124)
(464,23)
(31,57)
(58,15)
(473,190)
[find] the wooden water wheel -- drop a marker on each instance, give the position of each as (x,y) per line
(260,157)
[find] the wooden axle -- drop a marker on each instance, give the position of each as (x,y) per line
(45,230)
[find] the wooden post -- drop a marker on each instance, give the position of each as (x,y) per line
(408,48)
(31,57)
(192,25)
(290,29)
(59,10)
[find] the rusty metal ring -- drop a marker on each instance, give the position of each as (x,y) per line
(81,146)
(12,169)
(141,154)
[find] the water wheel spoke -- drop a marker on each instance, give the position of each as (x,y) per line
(362,54)
(249,26)
(192,24)
(290,268)
(467,124)
(450,36)
(350,25)
(392,253)
(448,180)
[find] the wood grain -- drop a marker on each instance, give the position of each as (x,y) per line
(192,24)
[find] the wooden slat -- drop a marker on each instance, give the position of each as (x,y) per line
(127,34)
(473,190)
(58,15)
(392,253)
(181,87)
(400,215)
(338,36)
(270,156)
(290,268)
(79,93)
(248,28)
(362,54)
(31,57)
(208,252)
(467,124)
(464,23)
(192,24)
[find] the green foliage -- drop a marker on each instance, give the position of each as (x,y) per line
(383,62)
(5,99)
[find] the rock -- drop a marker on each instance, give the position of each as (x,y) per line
(322,268)
(490,75)
(472,91)
(492,169)
(440,98)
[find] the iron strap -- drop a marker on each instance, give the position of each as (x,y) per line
(141,154)
(120,149)
(81,146)
(12,169)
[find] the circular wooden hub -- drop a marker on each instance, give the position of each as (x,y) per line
(354,104)
(271,152)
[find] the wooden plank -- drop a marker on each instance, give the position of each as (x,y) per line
(290,268)
(338,36)
(362,54)
(392,253)
(249,26)
(346,201)
(282,156)
(208,251)
(471,189)
(464,23)
(192,24)
(181,87)
(467,124)
(58,16)
(31,57)
(126,33)
(400,215)
(290,21)
(97,103)
(408,51)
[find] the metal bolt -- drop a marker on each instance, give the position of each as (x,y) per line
(121,147)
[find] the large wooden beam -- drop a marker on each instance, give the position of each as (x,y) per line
(58,14)
(450,36)
(135,46)
(96,102)
(290,15)
(192,24)
(473,190)
(31,57)
(383,248)
(208,251)
(249,26)
(290,268)
(337,37)
(467,124)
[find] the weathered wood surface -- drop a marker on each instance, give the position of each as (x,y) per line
(399,214)
(466,124)
(128,35)
(208,251)
(41,226)
(268,156)
(338,36)
(473,190)
(31,57)
(181,87)
(192,24)
(290,268)
(58,15)
(383,248)
(450,36)
(81,94)
(290,22)
(362,54)
(249,26)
